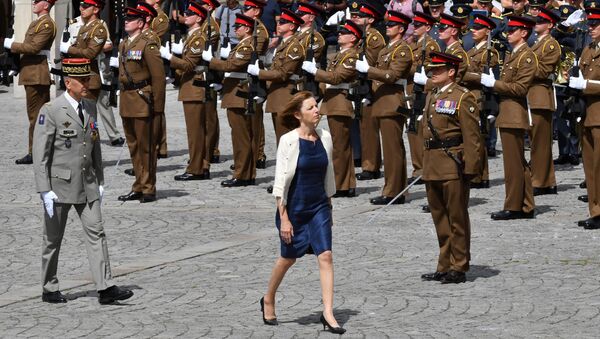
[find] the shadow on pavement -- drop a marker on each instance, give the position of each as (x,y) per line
(481,271)
(162,194)
(477,201)
(94,293)
(341,315)
(265,180)
(541,209)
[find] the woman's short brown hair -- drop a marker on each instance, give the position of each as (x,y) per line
(288,119)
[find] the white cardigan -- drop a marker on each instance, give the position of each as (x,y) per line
(287,159)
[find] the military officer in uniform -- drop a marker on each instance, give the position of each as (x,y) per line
(436,8)
(141,102)
(309,13)
(451,158)
(335,82)
(284,70)
(515,119)
(370,147)
(588,82)
(68,173)
(388,76)
(193,97)
(34,73)
(462,11)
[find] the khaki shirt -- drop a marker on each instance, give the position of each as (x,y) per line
(541,93)
(39,37)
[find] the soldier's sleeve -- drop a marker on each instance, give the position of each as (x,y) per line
(160,24)
(522,80)
(43,148)
(343,73)
(402,60)
(318,46)
(188,61)
(374,45)
(237,62)
(94,45)
(157,75)
(293,60)
(45,32)
(548,60)
(262,39)
(469,125)
(464,65)
(593,85)
(473,75)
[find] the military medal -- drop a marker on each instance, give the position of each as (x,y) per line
(94,130)
(447,107)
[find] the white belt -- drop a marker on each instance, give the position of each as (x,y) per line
(295,77)
(262,58)
(338,86)
(44,52)
(236,75)
(200,68)
(401,82)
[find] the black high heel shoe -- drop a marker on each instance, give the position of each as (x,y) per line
(326,326)
(271,322)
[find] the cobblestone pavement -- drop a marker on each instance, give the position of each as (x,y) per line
(199,259)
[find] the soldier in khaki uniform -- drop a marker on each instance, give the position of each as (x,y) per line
(243,127)
(478,56)
(68,173)
(34,74)
(283,71)
(335,83)
(588,82)
(450,159)
(366,17)
(160,24)
(388,76)
(422,24)
(89,42)
(514,119)
(193,97)
(308,13)
(141,102)
(542,103)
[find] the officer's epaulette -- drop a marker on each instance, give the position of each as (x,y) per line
(375,36)
(400,45)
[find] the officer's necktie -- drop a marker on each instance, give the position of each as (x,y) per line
(80,112)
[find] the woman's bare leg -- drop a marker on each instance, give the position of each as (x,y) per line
(279,270)
(326,272)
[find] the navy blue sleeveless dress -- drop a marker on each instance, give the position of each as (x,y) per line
(307,204)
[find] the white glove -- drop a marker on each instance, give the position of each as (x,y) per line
(336,18)
(165,53)
(259,100)
(362,65)
(48,198)
(310,67)
(216,87)
(225,50)
(101,191)
(365,102)
(488,80)
(114,62)
(578,82)
(574,18)
(177,48)
(491,119)
(420,77)
(207,54)
(253,69)
(64,47)
(8,42)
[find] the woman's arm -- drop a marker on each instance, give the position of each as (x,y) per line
(286,230)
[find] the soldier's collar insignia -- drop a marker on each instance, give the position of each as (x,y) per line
(66,124)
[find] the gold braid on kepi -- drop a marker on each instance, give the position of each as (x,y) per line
(76,67)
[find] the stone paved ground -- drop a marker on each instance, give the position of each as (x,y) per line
(199,259)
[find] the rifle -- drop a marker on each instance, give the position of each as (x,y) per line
(254,87)
(419,92)
(117,37)
(309,79)
(362,90)
(66,36)
(490,99)
(575,103)
(226,38)
(209,76)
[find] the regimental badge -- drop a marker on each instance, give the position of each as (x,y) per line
(402,53)
(446,107)
(471,109)
(134,55)
(528,60)
(152,47)
(355,4)
(460,10)
(46,25)
(66,124)
(431,48)
(565,10)
(551,47)
(41,119)
(375,38)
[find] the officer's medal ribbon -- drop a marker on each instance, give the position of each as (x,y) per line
(446,107)
(94,130)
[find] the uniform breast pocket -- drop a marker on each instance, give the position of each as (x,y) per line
(60,173)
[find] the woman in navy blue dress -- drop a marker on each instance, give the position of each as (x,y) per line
(304,184)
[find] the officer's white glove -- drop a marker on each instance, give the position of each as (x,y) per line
(310,67)
(488,80)
(101,191)
(48,198)
(491,119)
(574,18)
(114,62)
(578,82)
(253,69)
(362,65)
(336,18)
(8,42)
(216,87)
(420,78)
(64,47)
(165,53)
(259,100)
(420,117)
(365,102)
(177,48)
(225,50)
(207,54)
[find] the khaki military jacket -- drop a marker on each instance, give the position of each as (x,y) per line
(458,51)
(140,59)
(237,62)
(280,78)
(478,60)
(215,32)
(66,153)
(517,76)
(375,42)
(541,93)
(388,76)
(187,65)
(335,82)
(590,68)
(454,113)
(318,43)
(417,46)
(89,44)
(160,24)
(262,38)
(39,37)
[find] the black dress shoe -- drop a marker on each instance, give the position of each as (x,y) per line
(261,163)
(509,215)
(26,160)
(583,184)
(130,196)
(454,277)
(118,142)
(270,189)
(112,294)
(270,322)
(334,330)
(545,190)
(383,200)
(491,152)
(129,171)
(53,297)
(162,155)
(574,160)
(419,182)
(215,159)
(357,162)
(426,209)
(435,276)
(368,175)
(562,159)
(189,176)
(481,184)
(148,198)
(592,223)
(583,198)
(237,182)
(350,193)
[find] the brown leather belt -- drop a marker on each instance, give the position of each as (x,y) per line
(446,143)
(135,85)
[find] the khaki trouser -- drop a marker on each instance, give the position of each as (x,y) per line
(212,129)
(35,97)
(484,172)
(517,175)
(244,139)
(195,123)
(343,163)
(591,167)
(416,145)
(369,140)
(143,157)
(394,155)
(542,166)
